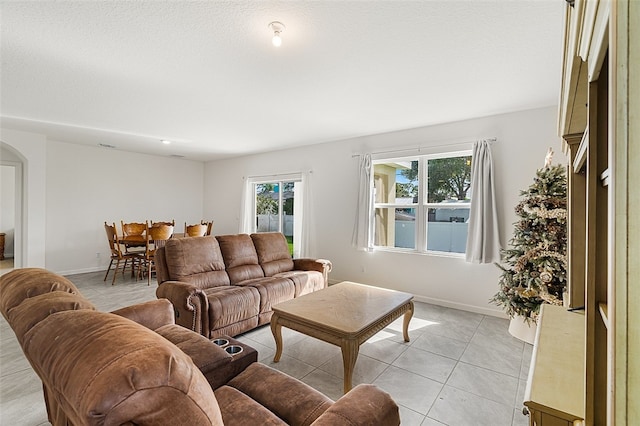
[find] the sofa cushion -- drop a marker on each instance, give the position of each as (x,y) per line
(197,261)
(240,257)
(272,290)
(292,400)
(35,309)
(273,252)
(21,284)
(305,281)
(240,410)
(231,304)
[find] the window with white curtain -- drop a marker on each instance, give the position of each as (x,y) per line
(421,203)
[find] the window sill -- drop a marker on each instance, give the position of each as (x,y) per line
(421,253)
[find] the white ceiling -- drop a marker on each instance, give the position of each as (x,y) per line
(205,75)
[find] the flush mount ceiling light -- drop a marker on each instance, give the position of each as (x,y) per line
(166,142)
(277,28)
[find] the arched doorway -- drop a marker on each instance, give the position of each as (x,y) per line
(11,166)
(26,154)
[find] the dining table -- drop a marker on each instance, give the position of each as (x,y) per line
(134,240)
(141,240)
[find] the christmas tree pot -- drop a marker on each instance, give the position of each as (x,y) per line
(523,330)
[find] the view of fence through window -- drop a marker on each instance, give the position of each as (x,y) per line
(274,204)
(422,203)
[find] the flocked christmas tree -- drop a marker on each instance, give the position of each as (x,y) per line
(537,257)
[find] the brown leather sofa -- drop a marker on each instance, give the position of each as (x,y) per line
(226,285)
(120,368)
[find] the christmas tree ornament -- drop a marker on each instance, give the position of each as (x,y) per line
(546,277)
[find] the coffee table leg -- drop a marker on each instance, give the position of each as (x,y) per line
(350,349)
(276,329)
(405,324)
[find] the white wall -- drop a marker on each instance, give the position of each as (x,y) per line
(87,186)
(523,139)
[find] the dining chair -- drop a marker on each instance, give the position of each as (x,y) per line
(133,236)
(209,226)
(197,230)
(158,234)
(128,260)
(172,222)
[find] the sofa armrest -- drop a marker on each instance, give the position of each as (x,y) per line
(190,305)
(323,266)
(363,405)
(153,314)
(213,361)
(288,398)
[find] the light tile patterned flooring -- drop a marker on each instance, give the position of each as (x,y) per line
(460,368)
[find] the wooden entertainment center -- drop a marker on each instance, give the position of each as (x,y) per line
(599,123)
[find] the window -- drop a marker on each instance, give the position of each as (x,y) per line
(422,203)
(277,207)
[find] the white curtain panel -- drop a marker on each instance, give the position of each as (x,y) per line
(362,230)
(247,215)
(483,240)
(301,213)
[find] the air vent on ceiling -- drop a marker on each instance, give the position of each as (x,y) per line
(176,156)
(106,145)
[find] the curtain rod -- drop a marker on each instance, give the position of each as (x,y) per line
(310,171)
(490,140)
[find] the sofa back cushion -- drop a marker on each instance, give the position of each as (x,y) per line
(273,252)
(105,369)
(240,257)
(29,313)
(22,284)
(196,260)
(30,295)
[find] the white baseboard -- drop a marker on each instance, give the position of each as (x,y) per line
(82,271)
(454,305)
(463,307)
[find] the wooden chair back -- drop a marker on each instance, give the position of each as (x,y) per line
(133,228)
(172,222)
(158,234)
(209,226)
(112,238)
(128,260)
(197,230)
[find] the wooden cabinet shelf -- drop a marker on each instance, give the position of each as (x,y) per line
(597,117)
(556,384)
(581,155)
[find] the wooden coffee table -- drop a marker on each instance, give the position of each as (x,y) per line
(345,314)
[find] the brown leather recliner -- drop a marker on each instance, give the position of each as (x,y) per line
(226,285)
(114,369)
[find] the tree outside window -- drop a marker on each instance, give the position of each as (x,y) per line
(422,203)
(272,198)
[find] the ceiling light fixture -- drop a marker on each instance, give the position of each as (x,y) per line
(166,142)
(277,28)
